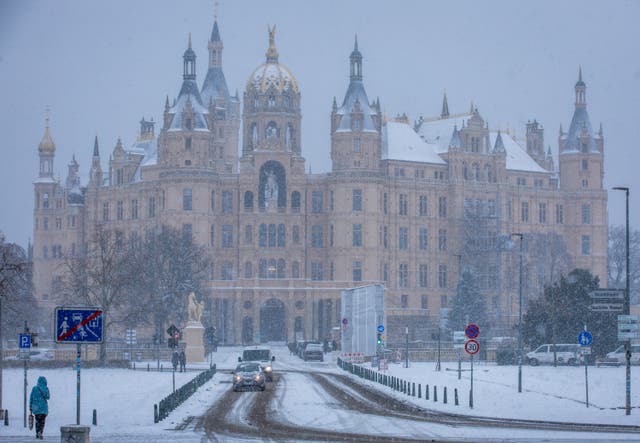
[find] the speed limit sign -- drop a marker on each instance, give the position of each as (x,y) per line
(472,347)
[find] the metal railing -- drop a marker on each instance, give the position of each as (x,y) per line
(172,401)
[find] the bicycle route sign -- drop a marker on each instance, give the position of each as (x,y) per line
(79,325)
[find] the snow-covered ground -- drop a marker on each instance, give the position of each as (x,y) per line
(124,399)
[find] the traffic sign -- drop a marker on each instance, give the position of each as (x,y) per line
(381,328)
(345,321)
(25,341)
(629,318)
(585,338)
(606,307)
(458,339)
(472,347)
(628,335)
(79,325)
(472,330)
(607,294)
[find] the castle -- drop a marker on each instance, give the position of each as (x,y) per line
(404,205)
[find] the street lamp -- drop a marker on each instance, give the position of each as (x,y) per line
(627,302)
(520,235)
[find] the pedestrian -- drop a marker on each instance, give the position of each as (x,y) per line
(38,404)
(183,362)
(175,359)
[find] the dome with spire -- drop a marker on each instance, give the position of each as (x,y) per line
(271,74)
(46,144)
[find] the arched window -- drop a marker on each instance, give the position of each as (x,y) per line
(271,268)
(248,201)
(476,171)
(262,268)
(272,235)
(465,172)
(262,236)
(254,135)
(295,270)
(248,270)
(295,201)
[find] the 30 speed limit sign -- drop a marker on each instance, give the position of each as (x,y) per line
(472,347)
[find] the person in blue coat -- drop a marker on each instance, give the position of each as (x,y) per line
(38,404)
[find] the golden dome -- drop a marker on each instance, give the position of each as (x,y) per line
(46,144)
(272,74)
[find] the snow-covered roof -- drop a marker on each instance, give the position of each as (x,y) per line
(189,95)
(215,88)
(517,157)
(356,94)
(579,122)
(401,142)
(149,148)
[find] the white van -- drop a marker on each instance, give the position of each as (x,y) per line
(261,355)
(566,354)
(618,356)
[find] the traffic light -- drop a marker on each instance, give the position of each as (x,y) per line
(379,338)
(173,341)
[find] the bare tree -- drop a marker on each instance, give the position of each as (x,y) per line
(617,257)
(104,277)
(547,258)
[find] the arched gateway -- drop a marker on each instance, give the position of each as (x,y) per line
(272,321)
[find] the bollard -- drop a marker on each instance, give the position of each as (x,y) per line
(444,396)
(413,390)
(134,365)
(95,418)
(6,417)
(160,368)
(435,393)
(426,392)
(455,396)
(155,413)
(471,399)
(419,391)
(148,368)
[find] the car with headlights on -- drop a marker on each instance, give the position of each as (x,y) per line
(261,355)
(248,376)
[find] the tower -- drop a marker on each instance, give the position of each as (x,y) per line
(356,125)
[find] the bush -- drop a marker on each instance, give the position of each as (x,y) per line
(506,355)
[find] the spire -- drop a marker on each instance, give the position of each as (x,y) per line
(96,152)
(581,91)
(356,62)
(215,33)
(499,145)
(189,58)
(445,107)
(272,52)
(455,142)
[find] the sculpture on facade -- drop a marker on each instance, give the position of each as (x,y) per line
(271,187)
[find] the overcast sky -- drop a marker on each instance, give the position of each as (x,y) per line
(100,66)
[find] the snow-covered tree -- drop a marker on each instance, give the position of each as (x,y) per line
(617,260)
(469,305)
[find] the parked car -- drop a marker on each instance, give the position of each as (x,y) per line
(619,357)
(260,355)
(566,353)
(248,376)
(302,345)
(313,352)
(36,354)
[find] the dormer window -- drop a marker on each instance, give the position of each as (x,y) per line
(188,124)
(256,103)
(356,145)
(271,103)
(356,124)
(187,143)
(584,147)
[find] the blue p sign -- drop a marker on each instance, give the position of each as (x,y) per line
(25,341)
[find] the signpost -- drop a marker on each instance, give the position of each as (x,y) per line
(78,325)
(628,327)
(584,340)
(607,300)
(25,351)
(458,344)
(471,347)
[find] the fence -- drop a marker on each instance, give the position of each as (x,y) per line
(172,401)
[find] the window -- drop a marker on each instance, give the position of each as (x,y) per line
(248,270)
(423,275)
(509,210)
(423,236)
(187,233)
(134,209)
(227,236)
(296,234)
(422,206)
(45,224)
(105,211)
(262,236)
(586,214)
(356,145)
(212,235)
(442,240)
(385,237)
(119,177)
(152,207)
(331,202)
(357,271)
(404,301)
(295,269)
(542,212)
(521,181)
(424,301)
(187,199)
(491,208)
(295,201)
(316,202)
(248,201)
(385,203)
(331,235)
(248,234)
(316,236)
(356,240)
(45,200)
(586,245)
(385,272)
(272,235)
(442,276)
(227,202)
(402,209)
(584,147)
(403,238)
(281,235)
(559,214)
(403,275)
(442,207)
(443,301)
(119,210)
(524,211)
(316,271)
(58,224)
(356,195)
(585,165)
(213,201)
(187,143)
(226,272)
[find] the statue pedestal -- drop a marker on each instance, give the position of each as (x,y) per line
(193,337)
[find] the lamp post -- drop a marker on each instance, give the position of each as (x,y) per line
(520,235)
(627,302)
